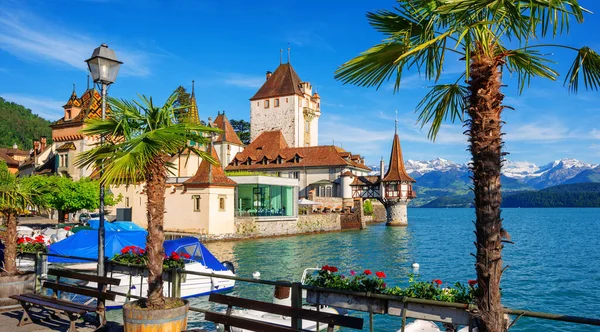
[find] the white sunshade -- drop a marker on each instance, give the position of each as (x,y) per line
(304,201)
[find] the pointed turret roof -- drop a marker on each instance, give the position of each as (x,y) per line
(209,175)
(396,170)
(73,100)
(228,134)
(283,82)
(192,114)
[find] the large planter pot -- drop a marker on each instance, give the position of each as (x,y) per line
(346,301)
(136,319)
(430,312)
(15,285)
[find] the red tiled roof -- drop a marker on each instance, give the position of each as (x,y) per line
(283,82)
(9,161)
(271,144)
(396,170)
(228,134)
(209,175)
(14,152)
(365,180)
(91,107)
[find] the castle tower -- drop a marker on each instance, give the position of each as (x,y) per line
(396,187)
(286,103)
(192,113)
(227,144)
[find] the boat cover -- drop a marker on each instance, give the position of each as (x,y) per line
(204,256)
(115,226)
(85,244)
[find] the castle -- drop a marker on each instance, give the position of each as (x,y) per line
(284,157)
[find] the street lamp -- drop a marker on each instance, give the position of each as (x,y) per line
(103,66)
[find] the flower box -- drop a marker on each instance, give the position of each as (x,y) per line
(430,312)
(347,301)
(138,271)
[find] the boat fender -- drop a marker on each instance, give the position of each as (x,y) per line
(256,275)
(229,265)
(415,265)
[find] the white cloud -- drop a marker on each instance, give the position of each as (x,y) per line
(540,132)
(47,108)
(32,39)
(243,80)
(595,133)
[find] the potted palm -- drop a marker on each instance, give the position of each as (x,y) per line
(140,138)
(16,196)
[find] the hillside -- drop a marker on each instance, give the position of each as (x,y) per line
(19,125)
(568,195)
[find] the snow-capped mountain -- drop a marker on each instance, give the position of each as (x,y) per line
(523,172)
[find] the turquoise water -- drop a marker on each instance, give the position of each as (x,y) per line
(554,263)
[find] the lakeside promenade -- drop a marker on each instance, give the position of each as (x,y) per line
(44,322)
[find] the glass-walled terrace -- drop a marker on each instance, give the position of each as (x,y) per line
(264,200)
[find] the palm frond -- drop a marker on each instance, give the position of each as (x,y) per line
(528,63)
(442,102)
(587,63)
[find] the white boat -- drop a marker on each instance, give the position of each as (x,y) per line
(84,244)
(282,296)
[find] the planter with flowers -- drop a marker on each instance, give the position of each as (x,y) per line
(434,291)
(366,281)
(133,260)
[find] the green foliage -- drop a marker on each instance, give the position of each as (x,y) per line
(140,133)
(433,290)
(368,208)
(418,34)
(19,125)
(242,129)
(66,195)
(16,195)
(183,100)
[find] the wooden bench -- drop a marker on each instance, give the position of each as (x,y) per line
(331,320)
(72,310)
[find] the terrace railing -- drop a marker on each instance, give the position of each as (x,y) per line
(394,305)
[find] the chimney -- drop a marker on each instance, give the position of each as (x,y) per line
(269,73)
(381,166)
(43,143)
(36,146)
(15,146)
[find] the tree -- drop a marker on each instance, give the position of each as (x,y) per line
(489,36)
(183,102)
(368,208)
(16,196)
(68,196)
(242,129)
(140,139)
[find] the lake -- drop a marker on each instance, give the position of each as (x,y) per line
(554,263)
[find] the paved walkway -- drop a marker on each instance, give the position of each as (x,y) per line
(43,322)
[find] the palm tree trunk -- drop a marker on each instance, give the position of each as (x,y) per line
(155,189)
(485,107)
(10,249)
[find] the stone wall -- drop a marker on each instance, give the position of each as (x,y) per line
(329,201)
(350,221)
(378,212)
(250,227)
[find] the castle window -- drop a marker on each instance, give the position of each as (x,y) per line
(258,103)
(276,102)
(68,114)
(126,201)
(266,104)
(294,175)
(286,100)
(228,147)
(249,161)
(306,126)
(196,200)
(221,203)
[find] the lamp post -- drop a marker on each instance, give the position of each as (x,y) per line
(103,66)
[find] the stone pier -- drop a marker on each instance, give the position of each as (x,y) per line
(397,214)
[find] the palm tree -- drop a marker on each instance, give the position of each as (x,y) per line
(490,36)
(140,139)
(16,196)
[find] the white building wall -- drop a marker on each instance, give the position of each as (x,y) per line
(284,117)
(226,152)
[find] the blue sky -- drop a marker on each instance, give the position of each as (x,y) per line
(227,46)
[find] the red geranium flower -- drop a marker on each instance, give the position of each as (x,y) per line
(20,240)
(437,281)
(186,255)
(333,269)
(472,282)
(325,268)
(124,250)
(68,228)
(384,285)
(175,256)
(380,274)
(367,272)
(352,273)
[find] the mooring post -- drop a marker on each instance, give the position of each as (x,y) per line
(297,303)
(37,286)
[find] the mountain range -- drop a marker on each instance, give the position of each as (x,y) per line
(443,178)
